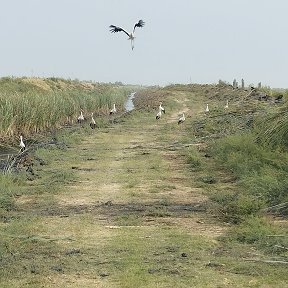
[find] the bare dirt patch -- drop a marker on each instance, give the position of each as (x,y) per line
(196,225)
(89,194)
(175,115)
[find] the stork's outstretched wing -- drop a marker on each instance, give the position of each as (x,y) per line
(139,24)
(115,29)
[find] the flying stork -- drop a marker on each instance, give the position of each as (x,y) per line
(131,36)
(113,110)
(181,119)
(92,123)
(22,145)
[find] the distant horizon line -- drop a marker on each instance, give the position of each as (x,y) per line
(134,84)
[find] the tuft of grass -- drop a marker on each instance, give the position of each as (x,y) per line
(235,207)
(269,185)
(194,159)
(9,189)
(261,172)
(273,129)
(262,234)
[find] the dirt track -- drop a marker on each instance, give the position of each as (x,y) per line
(134,212)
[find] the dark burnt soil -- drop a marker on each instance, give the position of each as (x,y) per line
(115,210)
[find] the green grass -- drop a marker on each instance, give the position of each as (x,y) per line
(262,234)
(9,188)
(115,218)
(260,171)
(245,174)
(194,158)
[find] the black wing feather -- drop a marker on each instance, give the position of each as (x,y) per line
(140,23)
(115,29)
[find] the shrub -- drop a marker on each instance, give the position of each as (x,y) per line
(270,185)
(239,153)
(261,233)
(235,207)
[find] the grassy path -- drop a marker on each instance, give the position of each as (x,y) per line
(132,218)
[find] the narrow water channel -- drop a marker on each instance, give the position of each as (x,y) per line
(129,106)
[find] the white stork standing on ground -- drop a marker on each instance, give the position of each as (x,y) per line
(92,123)
(113,110)
(207,108)
(161,108)
(226,106)
(131,36)
(81,117)
(181,119)
(22,144)
(158,116)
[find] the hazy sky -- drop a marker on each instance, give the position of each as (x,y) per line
(183,41)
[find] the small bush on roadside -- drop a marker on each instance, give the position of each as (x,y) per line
(270,185)
(262,233)
(235,207)
(240,154)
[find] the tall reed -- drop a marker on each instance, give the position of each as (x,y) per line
(274,129)
(34,105)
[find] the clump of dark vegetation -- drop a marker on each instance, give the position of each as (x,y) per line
(262,233)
